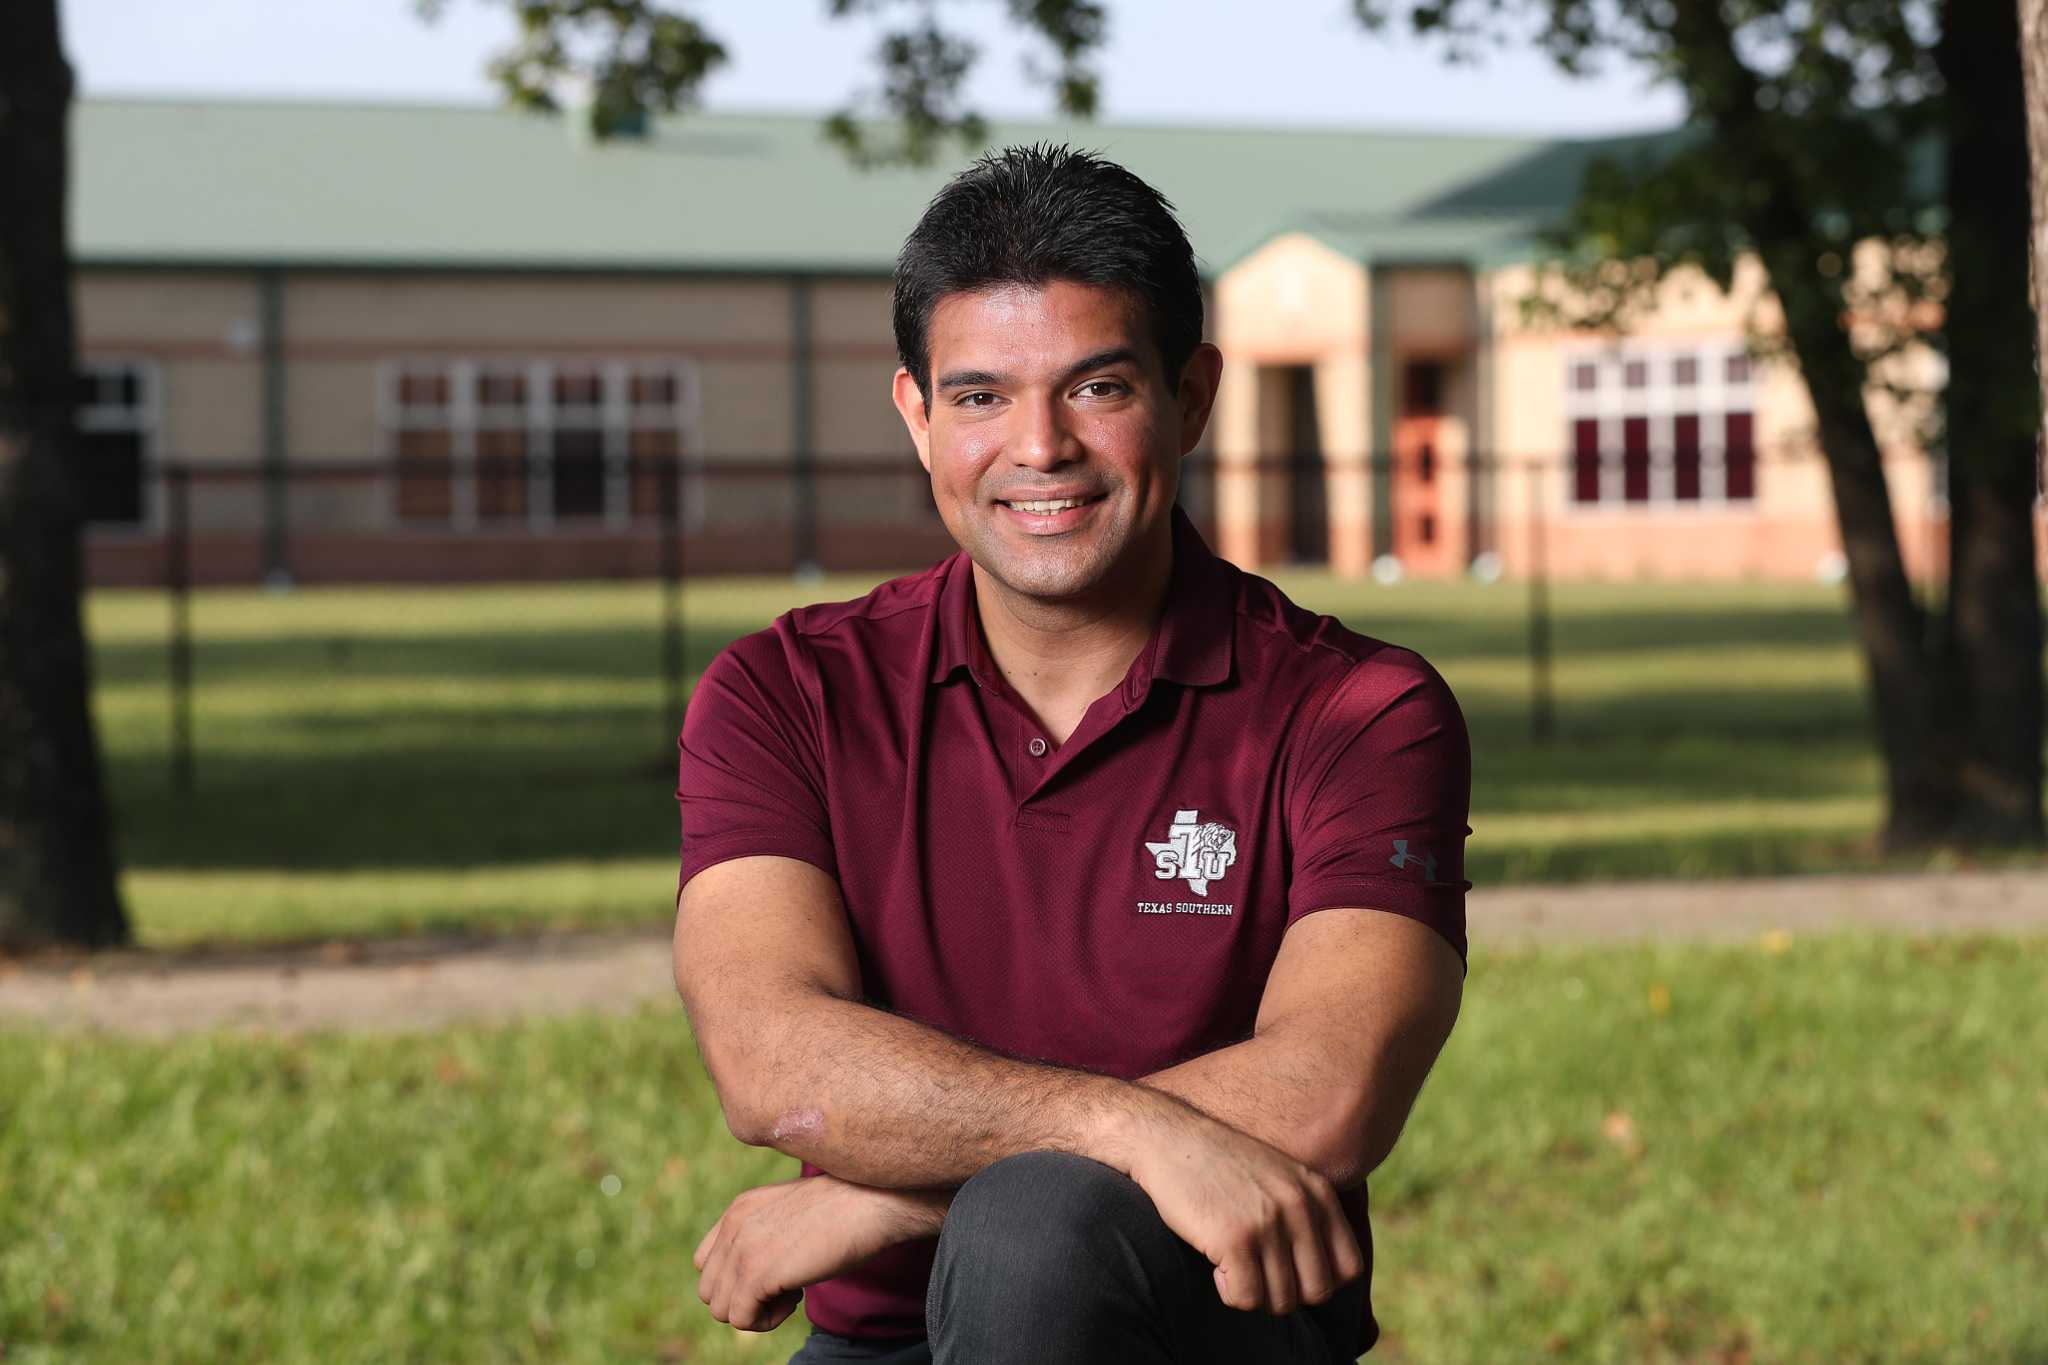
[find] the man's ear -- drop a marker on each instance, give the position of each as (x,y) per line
(910,404)
(1199,379)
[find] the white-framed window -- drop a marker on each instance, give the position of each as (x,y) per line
(478,443)
(119,414)
(1660,425)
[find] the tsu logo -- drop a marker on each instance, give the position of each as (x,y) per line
(1200,853)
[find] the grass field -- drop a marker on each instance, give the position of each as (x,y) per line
(388,760)
(1821,1151)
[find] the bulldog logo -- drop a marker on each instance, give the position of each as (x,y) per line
(1196,852)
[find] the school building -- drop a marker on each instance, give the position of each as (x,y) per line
(427,343)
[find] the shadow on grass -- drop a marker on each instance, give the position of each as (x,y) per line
(333,780)
(1733,853)
(1442,638)
(1447,637)
(515,803)
(419,789)
(609,654)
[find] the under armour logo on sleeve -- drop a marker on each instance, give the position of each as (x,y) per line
(1402,858)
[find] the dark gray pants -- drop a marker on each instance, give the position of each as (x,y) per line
(1046,1256)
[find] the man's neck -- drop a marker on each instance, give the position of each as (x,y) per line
(1060,656)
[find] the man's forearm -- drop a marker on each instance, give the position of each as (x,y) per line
(1262,1087)
(882,1100)
(916,1212)
(1286,1091)
(1233,1085)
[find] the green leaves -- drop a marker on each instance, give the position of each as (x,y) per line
(616,60)
(620,61)
(1815,124)
(919,105)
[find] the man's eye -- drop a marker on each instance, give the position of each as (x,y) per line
(967,400)
(1109,386)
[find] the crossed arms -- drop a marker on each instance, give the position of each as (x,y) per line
(1242,1149)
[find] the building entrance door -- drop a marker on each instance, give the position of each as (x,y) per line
(1421,539)
(1309,513)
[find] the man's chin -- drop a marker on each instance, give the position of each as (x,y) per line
(1042,581)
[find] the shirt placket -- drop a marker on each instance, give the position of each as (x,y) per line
(1026,751)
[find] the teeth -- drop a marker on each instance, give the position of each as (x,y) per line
(1043,508)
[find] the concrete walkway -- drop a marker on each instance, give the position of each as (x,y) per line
(429,982)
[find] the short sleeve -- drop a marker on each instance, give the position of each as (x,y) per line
(1380,796)
(749,779)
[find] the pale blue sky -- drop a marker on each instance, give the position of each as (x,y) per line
(1209,61)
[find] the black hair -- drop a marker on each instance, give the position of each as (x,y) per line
(1031,215)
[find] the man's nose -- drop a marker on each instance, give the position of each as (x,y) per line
(1042,439)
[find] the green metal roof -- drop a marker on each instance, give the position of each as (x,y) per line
(187,183)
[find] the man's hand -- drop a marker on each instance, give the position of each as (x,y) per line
(1271,1226)
(775,1239)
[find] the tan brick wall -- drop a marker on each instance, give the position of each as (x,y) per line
(526,313)
(1293,302)
(1789,528)
(199,333)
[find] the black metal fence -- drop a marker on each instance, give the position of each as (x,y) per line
(484,519)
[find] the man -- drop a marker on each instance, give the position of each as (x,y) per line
(1080,902)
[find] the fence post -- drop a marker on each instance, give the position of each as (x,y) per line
(178,578)
(803,417)
(671,600)
(1541,719)
(1475,518)
(277,572)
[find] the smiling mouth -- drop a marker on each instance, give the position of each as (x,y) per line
(1048,506)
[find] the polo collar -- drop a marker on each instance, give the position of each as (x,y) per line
(1192,644)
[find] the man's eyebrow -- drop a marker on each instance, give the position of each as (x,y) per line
(970,379)
(966,379)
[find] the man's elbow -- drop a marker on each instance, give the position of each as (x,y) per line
(735,1074)
(742,1119)
(758,1077)
(761,1113)
(1359,1135)
(1340,1149)
(745,1084)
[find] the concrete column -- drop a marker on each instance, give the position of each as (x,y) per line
(1344,402)
(1379,325)
(277,572)
(803,430)
(1238,512)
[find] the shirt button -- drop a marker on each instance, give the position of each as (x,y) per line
(1037,747)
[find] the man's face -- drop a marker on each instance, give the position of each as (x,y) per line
(1053,437)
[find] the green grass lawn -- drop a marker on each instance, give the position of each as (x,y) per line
(1825,1153)
(388,760)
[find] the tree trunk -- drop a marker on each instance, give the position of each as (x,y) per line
(1919,778)
(1992,634)
(2033,16)
(1784,227)
(57,880)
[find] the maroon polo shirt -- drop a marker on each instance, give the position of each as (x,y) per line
(1113,903)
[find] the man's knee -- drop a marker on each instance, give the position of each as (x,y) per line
(1037,1217)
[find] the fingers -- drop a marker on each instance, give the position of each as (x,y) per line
(712,1287)
(1277,1255)
(774,1312)
(704,1247)
(1340,1240)
(1303,1254)
(755,1307)
(730,1290)
(1347,1261)
(1240,1282)
(1309,1242)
